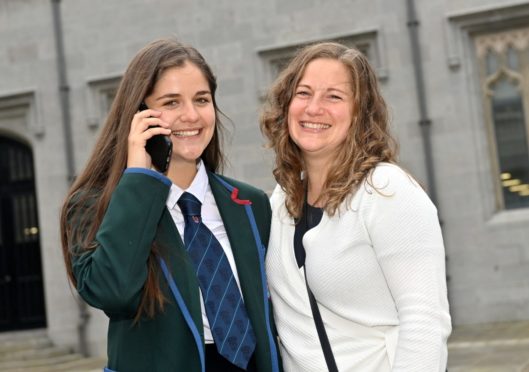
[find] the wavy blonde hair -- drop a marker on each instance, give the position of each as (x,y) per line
(368,143)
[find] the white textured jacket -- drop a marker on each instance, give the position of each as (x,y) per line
(377,270)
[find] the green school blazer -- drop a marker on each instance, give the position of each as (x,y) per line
(112,276)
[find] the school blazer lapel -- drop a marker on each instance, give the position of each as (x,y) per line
(243,245)
(180,266)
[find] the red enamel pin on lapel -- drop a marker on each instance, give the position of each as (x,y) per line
(234,195)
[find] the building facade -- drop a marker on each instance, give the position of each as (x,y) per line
(455,75)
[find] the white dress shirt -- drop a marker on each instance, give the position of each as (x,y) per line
(210,217)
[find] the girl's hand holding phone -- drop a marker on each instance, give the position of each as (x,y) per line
(145,124)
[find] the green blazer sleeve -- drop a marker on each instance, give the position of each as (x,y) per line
(112,276)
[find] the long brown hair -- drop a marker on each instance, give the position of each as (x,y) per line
(88,198)
(368,142)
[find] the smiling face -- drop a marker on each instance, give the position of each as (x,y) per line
(184,97)
(321,110)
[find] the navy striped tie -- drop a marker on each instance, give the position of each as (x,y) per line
(228,320)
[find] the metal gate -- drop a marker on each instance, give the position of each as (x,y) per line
(21,286)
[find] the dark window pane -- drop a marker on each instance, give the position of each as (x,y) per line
(491,62)
(512,59)
(511,140)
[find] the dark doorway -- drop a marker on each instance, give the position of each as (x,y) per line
(21,286)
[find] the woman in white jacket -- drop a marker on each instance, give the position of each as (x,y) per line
(351,224)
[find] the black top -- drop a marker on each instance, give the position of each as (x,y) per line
(311,217)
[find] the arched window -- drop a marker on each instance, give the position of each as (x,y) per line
(504,73)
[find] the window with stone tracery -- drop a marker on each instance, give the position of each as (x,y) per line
(503,59)
(101,95)
(275,59)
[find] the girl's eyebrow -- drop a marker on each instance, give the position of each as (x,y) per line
(176,95)
(168,95)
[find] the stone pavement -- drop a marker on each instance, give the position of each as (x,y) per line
(33,351)
(494,347)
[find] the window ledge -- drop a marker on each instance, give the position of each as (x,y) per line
(509,217)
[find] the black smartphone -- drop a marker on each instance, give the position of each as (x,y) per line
(159,148)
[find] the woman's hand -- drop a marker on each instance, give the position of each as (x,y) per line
(145,124)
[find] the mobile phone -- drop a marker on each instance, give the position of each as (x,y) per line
(159,148)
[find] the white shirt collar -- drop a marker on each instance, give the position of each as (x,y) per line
(198,187)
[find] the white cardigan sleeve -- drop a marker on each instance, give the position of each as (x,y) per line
(404,229)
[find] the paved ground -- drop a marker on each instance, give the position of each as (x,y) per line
(498,347)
